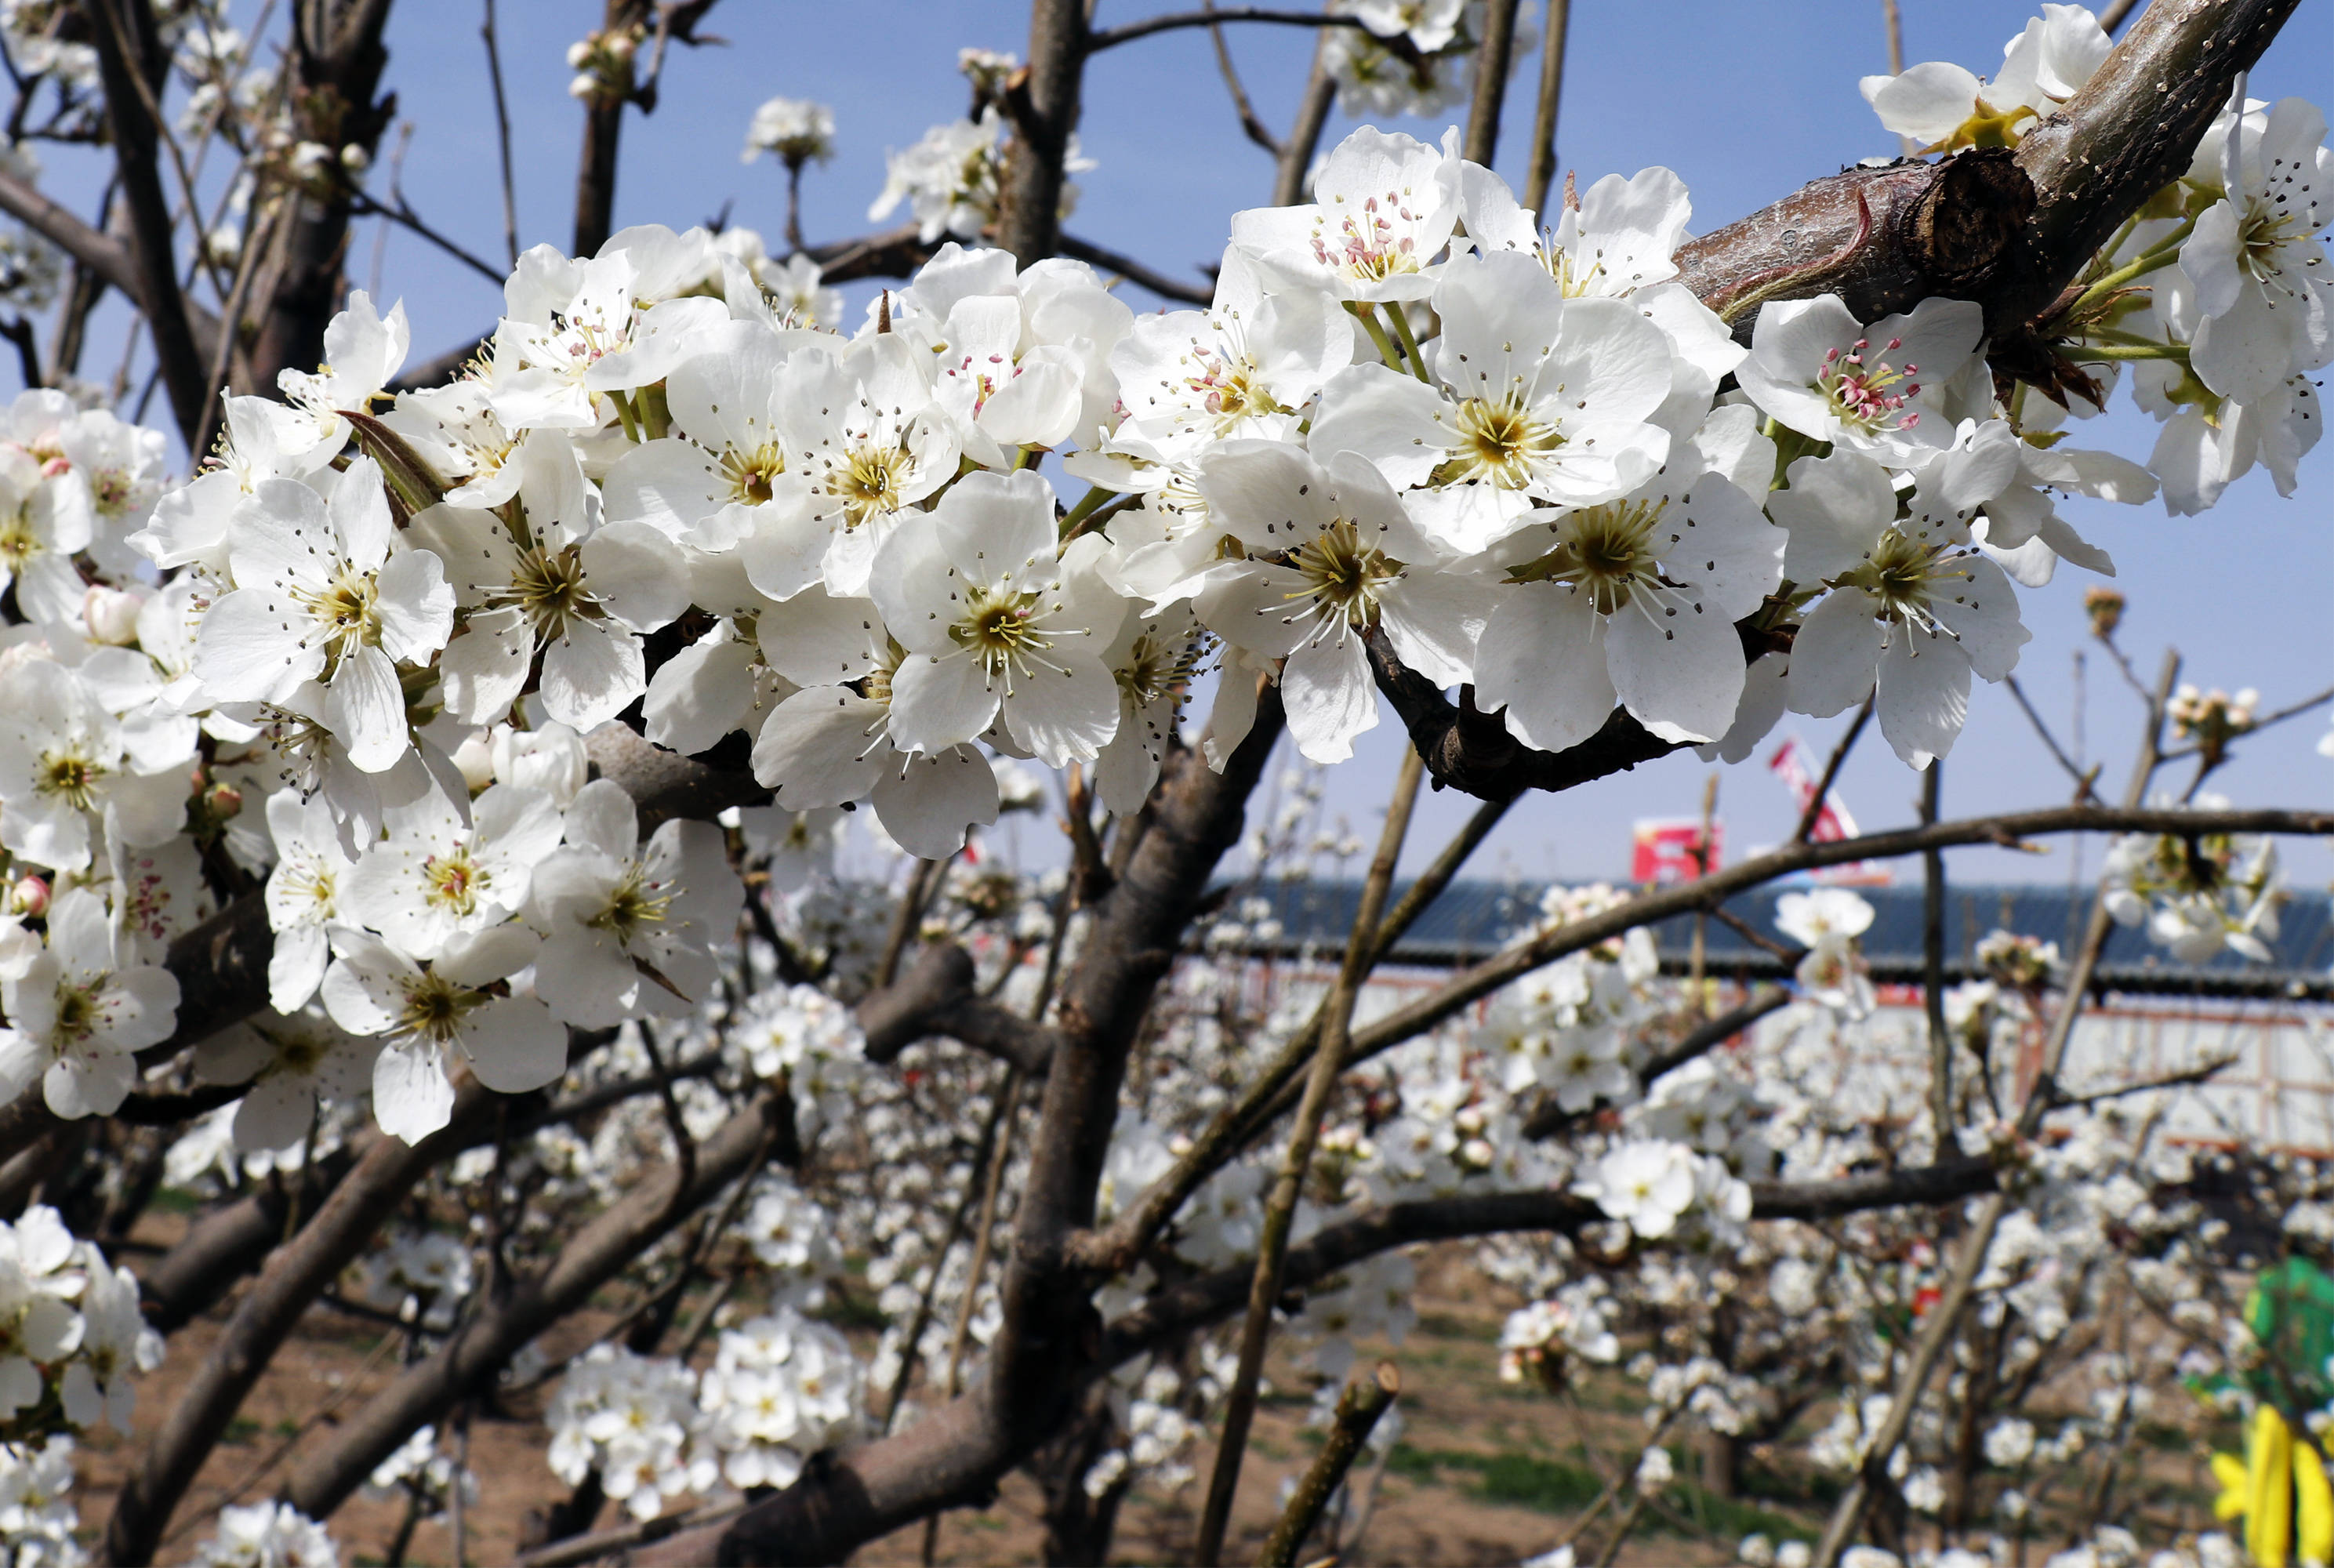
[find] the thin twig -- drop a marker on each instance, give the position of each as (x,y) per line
(1112,37)
(1135,272)
(908,917)
(502,136)
(2202,1073)
(1258,131)
(1280,1209)
(2083,780)
(1541,172)
(1893,20)
(1933,965)
(1944,1318)
(1831,772)
(404,216)
(983,1243)
(976,1179)
(1358,1409)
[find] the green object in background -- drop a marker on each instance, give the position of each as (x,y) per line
(2290,1310)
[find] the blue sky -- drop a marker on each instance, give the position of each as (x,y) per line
(1744,100)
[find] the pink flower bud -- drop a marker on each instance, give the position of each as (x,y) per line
(110,615)
(29,897)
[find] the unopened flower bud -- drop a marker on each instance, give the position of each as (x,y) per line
(2105,607)
(223,801)
(355,159)
(475,759)
(29,897)
(579,51)
(110,615)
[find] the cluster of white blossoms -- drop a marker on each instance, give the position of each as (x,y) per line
(267,1535)
(780,1389)
(37,1517)
(1418,425)
(2217,294)
(2197,893)
(1410,57)
(1827,922)
(71,1334)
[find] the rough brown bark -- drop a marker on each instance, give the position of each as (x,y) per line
(116,31)
(1042,100)
(336,62)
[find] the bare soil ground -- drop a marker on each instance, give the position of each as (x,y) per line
(1486,1473)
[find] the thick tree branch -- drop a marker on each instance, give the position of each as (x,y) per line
(336,63)
(1042,100)
(469,1360)
(290,1283)
(1210,1297)
(1051,1334)
(135,142)
(937,997)
(229,1242)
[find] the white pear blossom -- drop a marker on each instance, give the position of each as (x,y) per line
(993,624)
(1647,1186)
(2263,292)
(1331,556)
(435,878)
(78,1016)
(324,592)
(629,931)
(1633,600)
(1946,107)
(1873,389)
(1384,207)
(440,1018)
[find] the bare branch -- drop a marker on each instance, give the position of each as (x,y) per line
(1817,801)
(2083,790)
(1470,984)
(1135,272)
(1281,1206)
(135,131)
(1541,172)
(1042,100)
(290,1283)
(502,134)
(1492,59)
(1358,1409)
(1211,1297)
(469,1360)
(1112,37)
(1258,131)
(1304,134)
(1113,1250)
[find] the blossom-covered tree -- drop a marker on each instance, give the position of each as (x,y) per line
(421,808)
